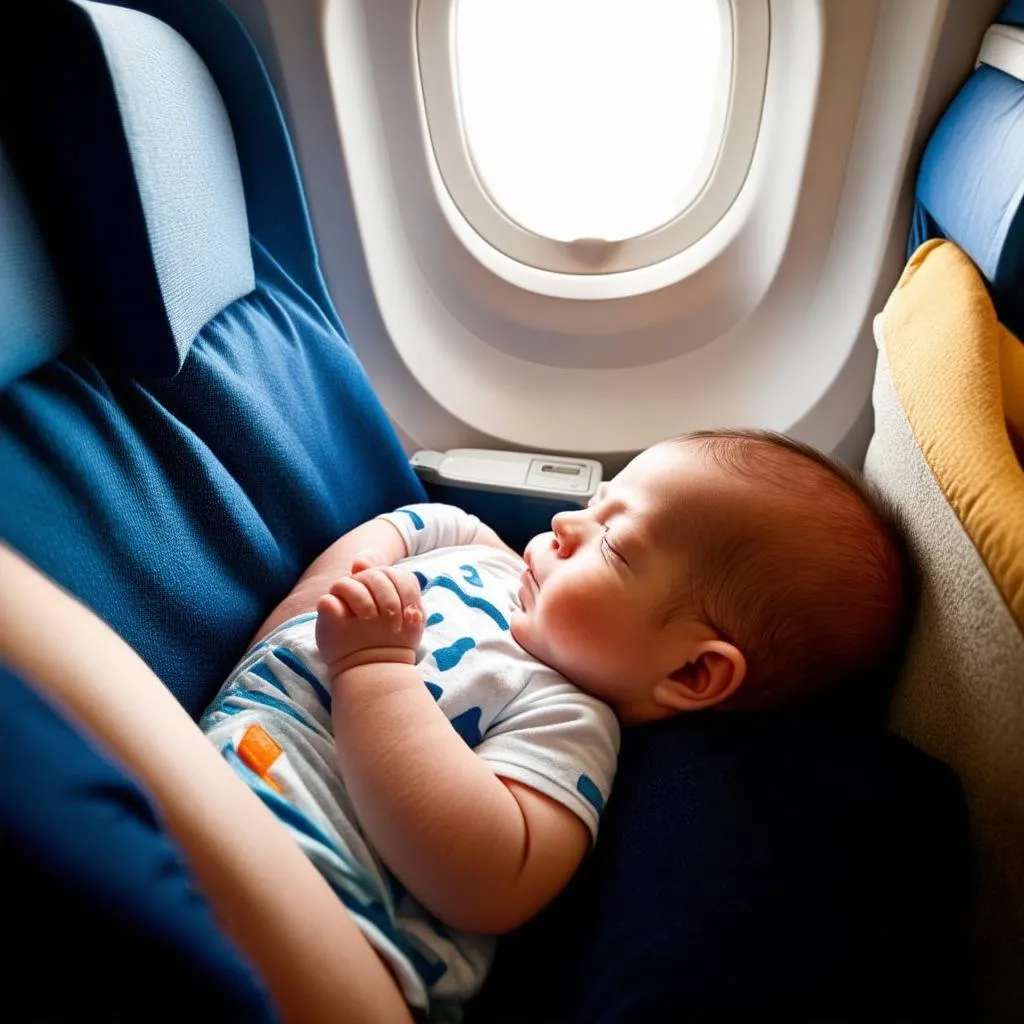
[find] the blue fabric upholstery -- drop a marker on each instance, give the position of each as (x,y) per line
(784,867)
(1012,12)
(33,324)
(969,187)
(278,217)
(85,869)
(182,510)
(148,226)
(187,174)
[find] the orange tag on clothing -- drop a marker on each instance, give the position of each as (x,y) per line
(259,752)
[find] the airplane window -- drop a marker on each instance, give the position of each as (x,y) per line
(592,119)
(592,136)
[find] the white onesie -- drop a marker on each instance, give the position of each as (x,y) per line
(271,721)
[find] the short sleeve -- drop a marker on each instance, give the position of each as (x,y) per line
(428,526)
(558,740)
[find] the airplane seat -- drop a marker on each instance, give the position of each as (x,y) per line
(183,427)
(208,430)
(948,451)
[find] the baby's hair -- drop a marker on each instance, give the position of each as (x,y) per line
(822,594)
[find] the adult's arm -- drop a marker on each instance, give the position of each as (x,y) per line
(268,897)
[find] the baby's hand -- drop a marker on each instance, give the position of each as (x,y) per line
(368,558)
(373,615)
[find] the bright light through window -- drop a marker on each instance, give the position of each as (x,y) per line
(591,118)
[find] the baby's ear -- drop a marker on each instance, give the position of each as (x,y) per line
(714,671)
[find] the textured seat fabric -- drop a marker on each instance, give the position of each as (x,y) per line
(182,510)
(949,404)
(147,227)
(34,326)
(790,867)
(1012,12)
(179,509)
(73,925)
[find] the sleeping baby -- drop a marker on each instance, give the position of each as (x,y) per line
(435,717)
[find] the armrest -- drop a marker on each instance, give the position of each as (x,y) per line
(515,493)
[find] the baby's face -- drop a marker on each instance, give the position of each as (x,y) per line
(596,587)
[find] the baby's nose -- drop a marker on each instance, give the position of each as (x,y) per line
(565,527)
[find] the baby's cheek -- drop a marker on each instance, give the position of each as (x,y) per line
(570,627)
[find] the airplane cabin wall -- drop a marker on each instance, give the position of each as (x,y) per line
(765,322)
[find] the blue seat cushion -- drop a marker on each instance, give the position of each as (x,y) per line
(789,867)
(182,510)
(86,872)
(969,185)
(1012,13)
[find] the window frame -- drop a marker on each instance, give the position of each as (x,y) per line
(738,109)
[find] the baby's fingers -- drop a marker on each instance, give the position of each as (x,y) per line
(331,615)
(330,607)
(367,559)
(408,589)
(384,592)
(354,595)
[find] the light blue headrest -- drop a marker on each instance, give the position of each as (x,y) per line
(124,138)
(970,185)
(33,324)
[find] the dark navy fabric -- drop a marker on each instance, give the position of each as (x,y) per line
(85,869)
(61,121)
(756,867)
(182,510)
(1012,13)
(33,324)
(970,188)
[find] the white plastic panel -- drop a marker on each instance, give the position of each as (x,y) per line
(510,472)
(1003,48)
(765,321)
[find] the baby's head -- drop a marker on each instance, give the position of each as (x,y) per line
(737,569)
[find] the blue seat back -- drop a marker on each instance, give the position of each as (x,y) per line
(969,186)
(181,508)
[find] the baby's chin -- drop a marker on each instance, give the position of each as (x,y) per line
(519,627)
(516,624)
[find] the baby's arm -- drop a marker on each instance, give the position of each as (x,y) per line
(379,542)
(482,853)
(486,536)
(375,542)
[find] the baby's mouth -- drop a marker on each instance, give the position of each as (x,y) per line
(529,571)
(528,586)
